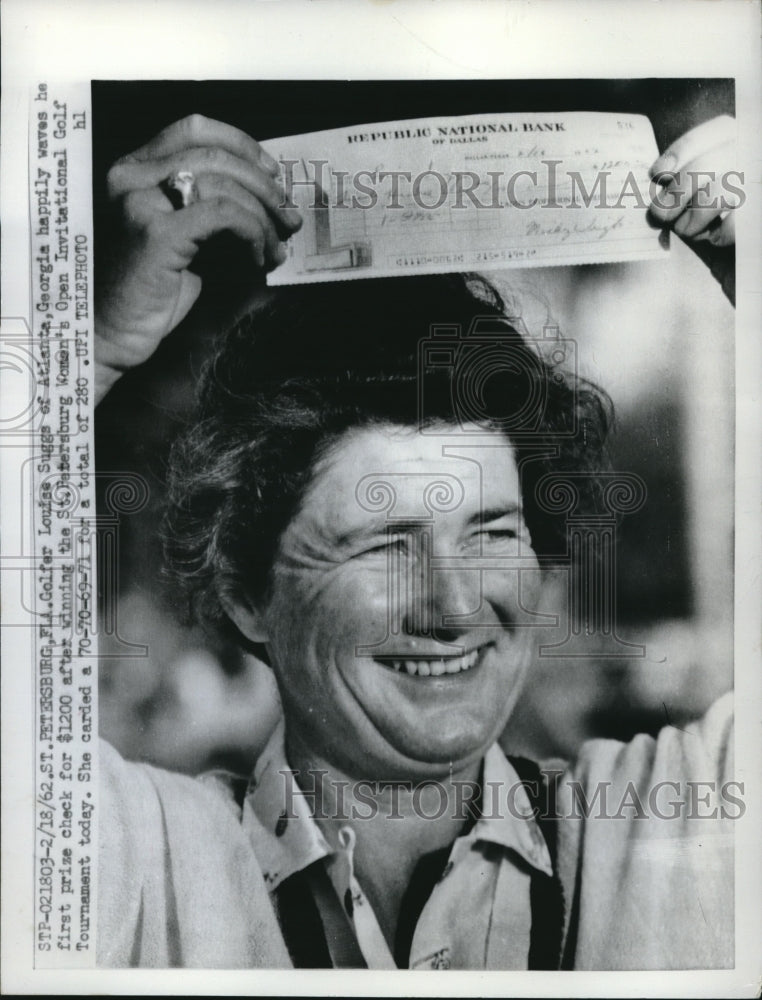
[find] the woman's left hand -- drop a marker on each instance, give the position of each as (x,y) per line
(697,193)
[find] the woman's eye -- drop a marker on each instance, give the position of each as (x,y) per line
(387,545)
(497,536)
(500,533)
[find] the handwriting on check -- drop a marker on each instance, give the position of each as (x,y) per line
(409,197)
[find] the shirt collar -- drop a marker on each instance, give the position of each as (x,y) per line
(506,813)
(278,817)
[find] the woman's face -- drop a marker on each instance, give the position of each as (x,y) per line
(393,619)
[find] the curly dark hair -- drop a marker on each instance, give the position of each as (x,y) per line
(317,360)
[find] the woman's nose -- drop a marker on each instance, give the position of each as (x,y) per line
(436,598)
(455,598)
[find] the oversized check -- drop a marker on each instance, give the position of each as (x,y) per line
(474,192)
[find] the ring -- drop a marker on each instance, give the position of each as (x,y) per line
(181,189)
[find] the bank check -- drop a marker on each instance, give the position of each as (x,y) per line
(473,192)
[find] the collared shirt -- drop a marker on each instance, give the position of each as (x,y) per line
(180,865)
(478,915)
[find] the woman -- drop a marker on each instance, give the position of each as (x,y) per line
(278,534)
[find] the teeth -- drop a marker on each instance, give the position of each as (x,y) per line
(435,668)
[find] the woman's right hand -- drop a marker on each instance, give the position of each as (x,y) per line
(144,288)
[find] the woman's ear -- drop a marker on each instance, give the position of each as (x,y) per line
(247,617)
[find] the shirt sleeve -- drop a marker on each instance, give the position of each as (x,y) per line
(131,869)
(646,848)
(178,881)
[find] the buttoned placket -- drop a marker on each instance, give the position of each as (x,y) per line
(370,937)
(478,914)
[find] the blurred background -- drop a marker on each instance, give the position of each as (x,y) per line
(658,336)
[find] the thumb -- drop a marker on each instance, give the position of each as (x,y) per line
(190,289)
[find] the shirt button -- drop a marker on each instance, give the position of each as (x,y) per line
(441,960)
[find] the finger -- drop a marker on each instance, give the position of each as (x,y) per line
(695,143)
(212,186)
(148,214)
(723,234)
(197,130)
(172,238)
(128,175)
(700,183)
(711,204)
(190,289)
(694,221)
(188,228)
(139,207)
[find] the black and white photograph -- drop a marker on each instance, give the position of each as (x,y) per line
(386,521)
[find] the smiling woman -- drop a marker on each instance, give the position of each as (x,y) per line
(319,360)
(377,476)
(347,513)
(458,655)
